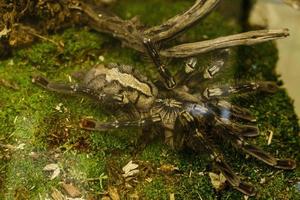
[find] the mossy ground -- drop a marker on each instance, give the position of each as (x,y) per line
(43,126)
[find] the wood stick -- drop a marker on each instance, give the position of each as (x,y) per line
(247,38)
(132,35)
(180,23)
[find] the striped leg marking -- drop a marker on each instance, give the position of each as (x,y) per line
(217,92)
(90,124)
(163,71)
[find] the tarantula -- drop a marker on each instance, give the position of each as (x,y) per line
(188,114)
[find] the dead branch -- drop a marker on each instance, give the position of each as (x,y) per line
(132,35)
(125,30)
(247,38)
(130,32)
(181,22)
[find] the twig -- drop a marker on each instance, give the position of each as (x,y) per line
(125,30)
(59,45)
(247,38)
(181,22)
(132,35)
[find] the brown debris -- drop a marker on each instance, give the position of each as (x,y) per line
(218,180)
(21,35)
(57,195)
(172,196)
(71,190)
(167,168)
(113,193)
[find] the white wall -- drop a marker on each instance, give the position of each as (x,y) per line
(276,15)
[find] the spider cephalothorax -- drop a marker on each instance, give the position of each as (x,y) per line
(187,119)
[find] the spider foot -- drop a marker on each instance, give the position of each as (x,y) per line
(246,188)
(40,80)
(87,124)
(285,164)
(233,179)
(264,156)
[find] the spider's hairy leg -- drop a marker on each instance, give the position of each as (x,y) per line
(184,74)
(163,71)
(192,76)
(78,89)
(60,87)
(260,154)
(218,92)
(224,168)
(229,111)
(240,130)
(90,124)
(216,65)
(231,177)
(199,139)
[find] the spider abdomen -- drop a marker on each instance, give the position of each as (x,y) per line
(121,83)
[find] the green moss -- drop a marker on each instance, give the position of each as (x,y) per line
(154,13)
(26,174)
(197,187)
(156,189)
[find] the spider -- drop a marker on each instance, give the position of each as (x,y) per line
(189,115)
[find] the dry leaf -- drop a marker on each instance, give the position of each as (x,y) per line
(57,195)
(167,168)
(172,196)
(52,167)
(217,180)
(129,166)
(4,32)
(134,196)
(113,193)
(71,190)
(130,169)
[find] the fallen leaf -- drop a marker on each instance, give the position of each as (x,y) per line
(52,167)
(55,174)
(4,32)
(34,155)
(172,196)
(21,146)
(71,190)
(57,195)
(129,166)
(130,169)
(246,197)
(167,168)
(217,180)
(134,196)
(113,193)
(262,180)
